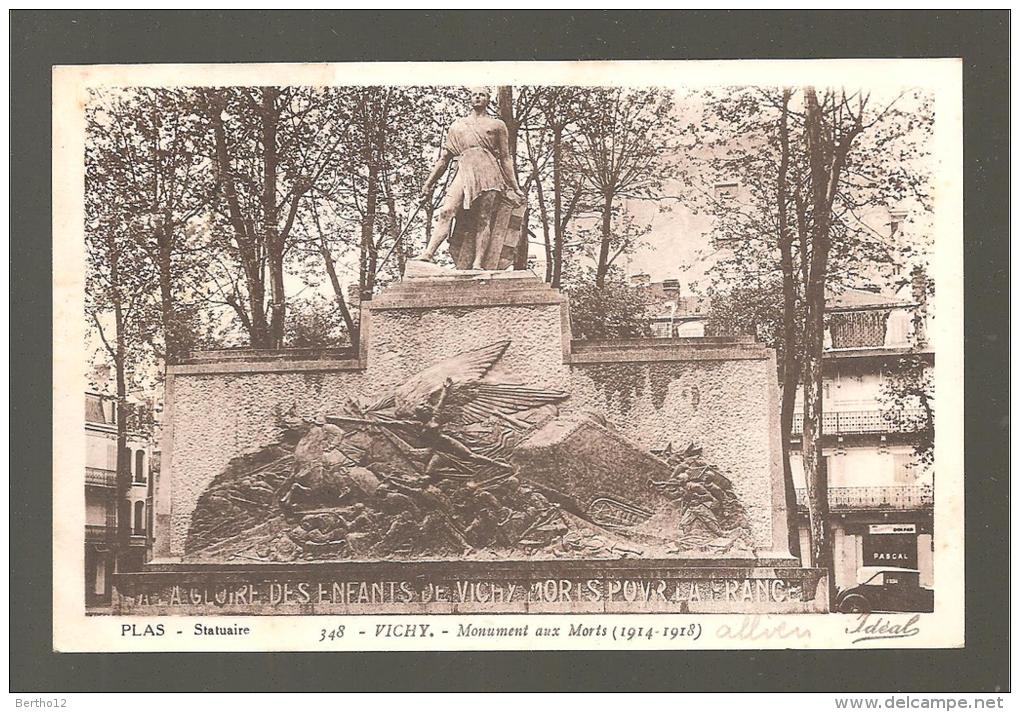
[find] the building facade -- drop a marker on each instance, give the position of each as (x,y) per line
(102,515)
(880,493)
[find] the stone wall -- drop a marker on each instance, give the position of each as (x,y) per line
(719,395)
(720,405)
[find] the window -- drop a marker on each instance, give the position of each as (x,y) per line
(904,468)
(94,412)
(139,466)
(660,329)
(897,218)
(726,191)
(139,519)
(689,329)
(99,588)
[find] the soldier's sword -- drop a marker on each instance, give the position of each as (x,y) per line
(401,235)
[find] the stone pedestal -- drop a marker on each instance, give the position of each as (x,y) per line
(655,395)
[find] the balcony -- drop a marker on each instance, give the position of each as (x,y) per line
(95,532)
(100,477)
(103,532)
(893,498)
(861,422)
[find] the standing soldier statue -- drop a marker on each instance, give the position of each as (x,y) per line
(483,208)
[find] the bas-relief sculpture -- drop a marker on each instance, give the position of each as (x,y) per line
(454,465)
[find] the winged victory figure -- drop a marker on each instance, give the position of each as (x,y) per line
(438,413)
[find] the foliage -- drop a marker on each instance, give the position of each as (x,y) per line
(908,389)
(753,309)
(546,120)
(908,401)
(613,310)
(272,147)
(148,168)
(588,151)
(370,191)
(314,322)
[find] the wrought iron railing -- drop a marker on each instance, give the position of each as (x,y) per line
(100,477)
(890,497)
(857,422)
(95,532)
(102,532)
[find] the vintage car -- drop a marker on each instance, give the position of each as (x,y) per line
(886,588)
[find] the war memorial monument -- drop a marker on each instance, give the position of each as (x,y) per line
(469,455)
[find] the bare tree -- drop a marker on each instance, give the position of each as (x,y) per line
(149,149)
(782,247)
(625,140)
(548,144)
(272,146)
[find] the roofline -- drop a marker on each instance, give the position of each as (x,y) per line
(882,306)
(111,428)
(876,352)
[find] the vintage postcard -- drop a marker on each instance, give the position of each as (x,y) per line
(519,356)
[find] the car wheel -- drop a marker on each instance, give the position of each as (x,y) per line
(854,604)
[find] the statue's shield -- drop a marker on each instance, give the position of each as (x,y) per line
(501,235)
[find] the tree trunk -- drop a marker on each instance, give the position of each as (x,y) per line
(338,292)
(790,364)
(244,235)
(786,426)
(607,232)
(259,328)
(274,246)
(123,477)
(369,254)
(557,272)
(543,214)
(811,450)
(334,280)
(824,176)
(171,329)
(505,99)
(393,218)
(164,243)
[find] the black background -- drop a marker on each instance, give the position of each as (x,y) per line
(42,39)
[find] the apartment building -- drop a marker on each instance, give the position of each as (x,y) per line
(103,555)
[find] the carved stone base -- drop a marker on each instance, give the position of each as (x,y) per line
(756,586)
(421,269)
